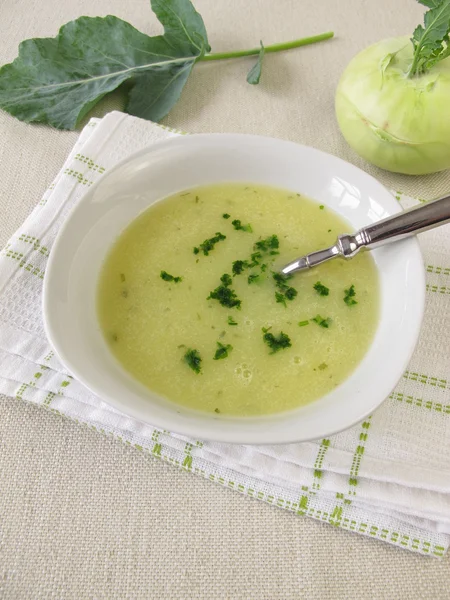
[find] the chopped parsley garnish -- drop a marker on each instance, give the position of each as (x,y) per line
(280,279)
(256,256)
(239,266)
(321,207)
(349,297)
(193,359)
(216,410)
(285,292)
(168,277)
(263,267)
(226,296)
(290,293)
(253,277)
(208,245)
(322,290)
(231,321)
(321,321)
(276,343)
(226,216)
(238,226)
(122,277)
(280,298)
(323,366)
(270,243)
(222,351)
(303,323)
(226,280)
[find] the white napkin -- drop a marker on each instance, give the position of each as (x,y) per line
(388,477)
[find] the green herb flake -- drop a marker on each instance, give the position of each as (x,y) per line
(231,321)
(321,321)
(238,226)
(216,410)
(321,207)
(285,292)
(168,277)
(276,343)
(193,359)
(225,296)
(239,266)
(349,297)
(253,278)
(270,243)
(290,293)
(321,289)
(323,366)
(280,298)
(222,351)
(197,199)
(122,277)
(209,244)
(303,323)
(226,280)
(256,257)
(124,293)
(226,216)
(281,279)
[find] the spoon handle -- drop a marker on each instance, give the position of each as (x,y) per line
(405,224)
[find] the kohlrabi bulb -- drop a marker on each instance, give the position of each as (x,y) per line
(395,122)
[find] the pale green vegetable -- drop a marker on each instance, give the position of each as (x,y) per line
(393,99)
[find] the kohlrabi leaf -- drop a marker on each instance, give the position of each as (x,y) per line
(254,74)
(430,3)
(431,42)
(183,26)
(57,80)
(154,92)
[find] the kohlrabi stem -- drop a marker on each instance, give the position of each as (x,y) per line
(273,48)
(413,69)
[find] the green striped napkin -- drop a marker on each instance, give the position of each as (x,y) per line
(388,477)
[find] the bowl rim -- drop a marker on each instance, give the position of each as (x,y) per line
(190,428)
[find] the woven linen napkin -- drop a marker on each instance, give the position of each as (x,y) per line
(388,477)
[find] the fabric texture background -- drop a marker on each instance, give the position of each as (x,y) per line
(64,531)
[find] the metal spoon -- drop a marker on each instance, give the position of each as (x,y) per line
(405,224)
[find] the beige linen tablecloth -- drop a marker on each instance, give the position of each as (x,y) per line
(80,515)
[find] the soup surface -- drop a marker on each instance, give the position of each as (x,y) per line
(189,304)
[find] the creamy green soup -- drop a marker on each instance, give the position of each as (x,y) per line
(192,305)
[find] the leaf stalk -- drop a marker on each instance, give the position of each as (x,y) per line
(273,48)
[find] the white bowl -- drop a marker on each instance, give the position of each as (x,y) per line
(193,160)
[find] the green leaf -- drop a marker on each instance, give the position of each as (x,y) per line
(183,25)
(254,74)
(430,3)
(58,80)
(431,42)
